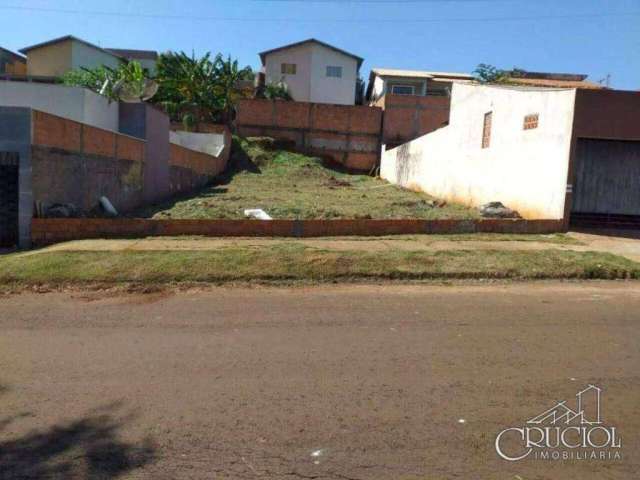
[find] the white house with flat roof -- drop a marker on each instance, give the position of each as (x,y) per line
(314,71)
(383,81)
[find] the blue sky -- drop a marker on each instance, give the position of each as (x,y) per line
(595,37)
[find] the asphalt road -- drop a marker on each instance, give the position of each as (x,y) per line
(341,382)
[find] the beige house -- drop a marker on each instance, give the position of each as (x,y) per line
(60,55)
(12,63)
(384,81)
(314,71)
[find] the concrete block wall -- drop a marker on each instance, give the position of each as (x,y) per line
(144,121)
(348,135)
(15,137)
(76,163)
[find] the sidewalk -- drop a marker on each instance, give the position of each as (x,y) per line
(576,242)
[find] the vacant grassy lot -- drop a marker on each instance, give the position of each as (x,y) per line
(292,186)
(294,262)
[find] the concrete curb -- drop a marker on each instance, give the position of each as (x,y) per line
(46,231)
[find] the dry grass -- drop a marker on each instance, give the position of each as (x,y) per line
(293,262)
(292,186)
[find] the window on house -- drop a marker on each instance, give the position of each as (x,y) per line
(486,130)
(334,72)
(288,69)
(403,89)
(531,121)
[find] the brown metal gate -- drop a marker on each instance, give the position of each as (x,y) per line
(606,192)
(9,174)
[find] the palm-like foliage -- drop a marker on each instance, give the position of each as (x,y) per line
(187,87)
(104,80)
(228,78)
(276,91)
(195,90)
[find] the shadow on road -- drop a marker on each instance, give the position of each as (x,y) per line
(87,448)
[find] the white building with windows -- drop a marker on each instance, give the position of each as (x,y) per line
(384,81)
(314,71)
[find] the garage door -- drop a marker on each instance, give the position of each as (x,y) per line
(8,199)
(606,191)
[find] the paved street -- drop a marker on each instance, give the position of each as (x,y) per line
(337,382)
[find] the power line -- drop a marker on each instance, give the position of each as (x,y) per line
(316,20)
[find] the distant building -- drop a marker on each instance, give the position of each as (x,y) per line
(56,57)
(384,81)
(146,58)
(551,80)
(11,63)
(314,71)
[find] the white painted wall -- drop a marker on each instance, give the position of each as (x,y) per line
(300,83)
(340,91)
(378,88)
(524,169)
(74,103)
(86,56)
(310,83)
(210,143)
(148,64)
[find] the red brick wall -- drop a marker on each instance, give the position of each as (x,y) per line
(57,132)
(47,231)
(73,163)
(349,135)
(409,117)
(189,169)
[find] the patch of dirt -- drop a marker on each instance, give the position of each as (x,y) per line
(334,183)
(133,294)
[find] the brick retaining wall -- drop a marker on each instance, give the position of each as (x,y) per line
(76,164)
(348,134)
(51,230)
(189,169)
(407,117)
(56,132)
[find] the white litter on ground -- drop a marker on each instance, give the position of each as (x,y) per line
(257,213)
(462,420)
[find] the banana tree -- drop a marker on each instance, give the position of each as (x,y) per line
(228,78)
(188,88)
(128,78)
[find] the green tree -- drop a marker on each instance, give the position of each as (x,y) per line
(187,88)
(198,90)
(228,77)
(128,77)
(485,73)
(276,91)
